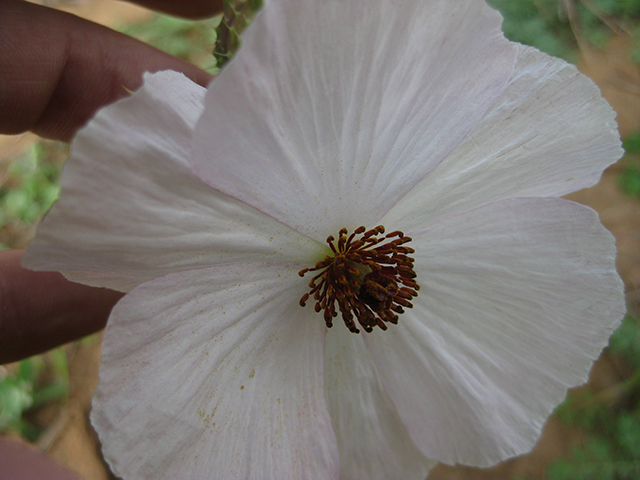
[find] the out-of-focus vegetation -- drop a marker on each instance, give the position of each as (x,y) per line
(558,26)
(542,24)
(193,41)
(237,16)
(629,178)
(609,420)
(28,385)
(207,43)
(28,188)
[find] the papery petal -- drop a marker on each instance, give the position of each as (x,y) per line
(373,441)
(132,210)
(216,373)
(549,134)
(517,300)
(331,111)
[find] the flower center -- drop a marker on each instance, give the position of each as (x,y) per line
(370,278)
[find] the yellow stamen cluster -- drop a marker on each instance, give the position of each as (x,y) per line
(370,278)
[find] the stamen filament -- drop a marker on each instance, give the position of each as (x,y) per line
(370,278)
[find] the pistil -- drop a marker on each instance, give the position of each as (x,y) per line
(369,279)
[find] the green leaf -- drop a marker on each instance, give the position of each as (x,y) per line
(186,39)
(15,398)
(236,18)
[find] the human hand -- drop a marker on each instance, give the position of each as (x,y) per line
(56,71)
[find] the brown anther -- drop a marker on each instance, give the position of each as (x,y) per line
(370,278)
(303,300)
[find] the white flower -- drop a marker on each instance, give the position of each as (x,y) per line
(414,114)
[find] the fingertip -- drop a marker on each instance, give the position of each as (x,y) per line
(57,69)
(21,461)
(41,310)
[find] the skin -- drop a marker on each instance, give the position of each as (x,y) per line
(56,71)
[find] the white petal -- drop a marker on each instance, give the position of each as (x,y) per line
(332,111)
(517,299)
(373,441)
(132,210)
(549,134)
(216,373)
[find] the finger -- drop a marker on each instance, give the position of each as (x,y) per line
(41,310)
(21,461)
(56,69)
(188,9)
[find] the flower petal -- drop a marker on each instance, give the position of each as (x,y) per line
(332,111)
(132,210)
(517,300)
(373,441)
(216,373)
(549,134)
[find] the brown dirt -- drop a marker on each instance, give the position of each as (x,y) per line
(70,439)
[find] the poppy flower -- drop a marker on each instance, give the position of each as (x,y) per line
(347,258)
